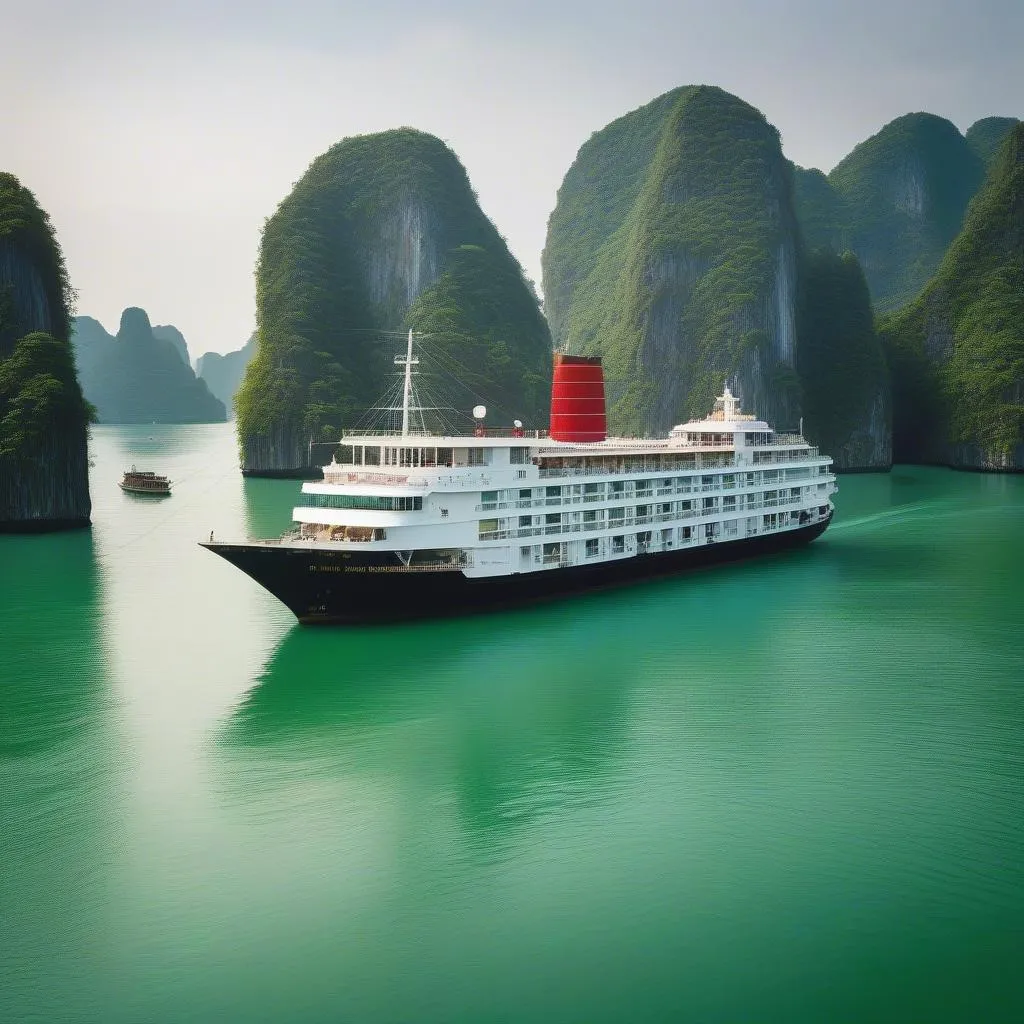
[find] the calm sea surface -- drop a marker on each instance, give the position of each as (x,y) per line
(790,790)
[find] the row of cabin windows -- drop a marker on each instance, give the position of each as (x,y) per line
(616,545)
(415,458)
(366,502)
(616,488)
(555,465)
(408,458)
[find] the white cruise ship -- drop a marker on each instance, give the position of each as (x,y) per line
(407,525)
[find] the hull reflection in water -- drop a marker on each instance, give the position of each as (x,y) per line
(509,730)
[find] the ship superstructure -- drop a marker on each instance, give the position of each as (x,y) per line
(405,524)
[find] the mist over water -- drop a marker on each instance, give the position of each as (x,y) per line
(786,790)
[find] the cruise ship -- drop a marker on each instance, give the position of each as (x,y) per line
(409,525)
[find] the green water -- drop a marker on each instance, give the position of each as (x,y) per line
(790,790)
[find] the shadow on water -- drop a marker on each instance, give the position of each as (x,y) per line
(55,774)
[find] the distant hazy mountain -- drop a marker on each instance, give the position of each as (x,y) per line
(223,373)
(168,333)
(137,377)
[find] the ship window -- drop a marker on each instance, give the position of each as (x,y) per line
(526,494)
(616,514)
(553,518)
(710,502)
(488,527)
(366,502)
(345,455)
(618,545)
(590,516)
(478,456)
(617,487)
(593,547)
(444,456)
(553,492)
(371,456)
(518,456)
(489,497)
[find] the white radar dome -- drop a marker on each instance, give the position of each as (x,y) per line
(479,412)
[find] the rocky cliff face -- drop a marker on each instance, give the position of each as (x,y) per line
(137,377)
(223,374)
(957,352)
(44,481)
(374,228)
(673,253)
(847,406)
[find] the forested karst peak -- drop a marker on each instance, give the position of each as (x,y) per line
(378,224)
(688,274)
(43,416)
(957,351)
(897,201)
(986,136)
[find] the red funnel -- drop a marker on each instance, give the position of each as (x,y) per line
(577,399)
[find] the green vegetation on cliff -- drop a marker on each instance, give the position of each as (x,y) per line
(897,201)
(957,353)
(138,377)
(43,415)
(39,394)
(373,224)
(693,277)
(986,137)
(842,367)
(906,190)
(478,314)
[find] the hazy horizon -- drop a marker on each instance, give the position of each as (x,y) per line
(159,140)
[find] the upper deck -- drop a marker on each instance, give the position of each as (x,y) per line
(392,460)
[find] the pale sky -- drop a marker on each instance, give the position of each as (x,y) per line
(160,138)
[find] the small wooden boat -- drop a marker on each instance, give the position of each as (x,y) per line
(140,482)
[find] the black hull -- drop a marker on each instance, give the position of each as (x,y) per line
(335,587)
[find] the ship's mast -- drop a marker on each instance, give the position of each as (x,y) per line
(407,392)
